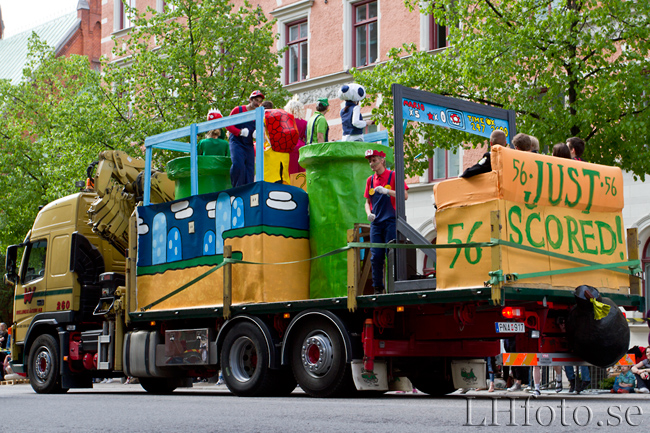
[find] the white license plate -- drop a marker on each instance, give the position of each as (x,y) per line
(516,327)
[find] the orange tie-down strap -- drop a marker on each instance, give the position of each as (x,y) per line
(552,359)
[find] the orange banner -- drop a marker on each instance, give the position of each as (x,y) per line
(551,204)
(541,180)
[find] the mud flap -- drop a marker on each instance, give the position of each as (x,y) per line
(468,373)
(376,380)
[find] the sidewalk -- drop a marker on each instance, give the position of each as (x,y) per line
(601,394)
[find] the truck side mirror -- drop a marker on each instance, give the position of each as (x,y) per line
(11,277)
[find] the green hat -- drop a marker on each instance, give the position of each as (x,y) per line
(324,101)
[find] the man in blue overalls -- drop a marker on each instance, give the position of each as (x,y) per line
(242,143)
(380,208)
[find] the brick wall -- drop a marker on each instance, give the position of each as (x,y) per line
(86,40)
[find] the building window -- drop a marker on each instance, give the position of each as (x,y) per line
(370,129)
(293,29)
(429,264)
(163,6)
(365,33)
(121,15)
(297,53)
(445,164)
(437,34)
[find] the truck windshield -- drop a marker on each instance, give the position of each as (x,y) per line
(36,261)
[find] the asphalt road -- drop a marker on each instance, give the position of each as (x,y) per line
(208,408)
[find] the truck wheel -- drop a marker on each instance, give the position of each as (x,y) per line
(44,365)
(245,364)
(157,385)
(318,360)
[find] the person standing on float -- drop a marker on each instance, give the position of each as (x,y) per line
(380,208)
(242,143)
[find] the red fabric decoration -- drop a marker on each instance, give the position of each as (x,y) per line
(282,130)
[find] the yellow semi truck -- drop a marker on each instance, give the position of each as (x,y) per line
(125,279)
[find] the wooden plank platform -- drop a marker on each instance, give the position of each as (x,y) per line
(15,382)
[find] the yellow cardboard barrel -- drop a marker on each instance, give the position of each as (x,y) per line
(552,204)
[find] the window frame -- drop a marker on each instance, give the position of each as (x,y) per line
(430,174)
(28,256)
(301,10)
(427,272)
(121,21)
(356,24)
(434,33)
(299,41)
(161,5)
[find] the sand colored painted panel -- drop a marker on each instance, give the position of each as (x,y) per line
(181,240)
(551,204)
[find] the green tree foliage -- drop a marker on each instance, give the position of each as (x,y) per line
(567,67)
(194,56)
(53,124)
(180,63)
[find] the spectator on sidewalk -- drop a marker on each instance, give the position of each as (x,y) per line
(490,369)
(642,372)
(625,382)
(4,336)
(578,384)
(4,345)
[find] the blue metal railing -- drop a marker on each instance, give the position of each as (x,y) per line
(166,140)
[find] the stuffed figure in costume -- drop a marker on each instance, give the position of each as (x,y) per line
(351,118)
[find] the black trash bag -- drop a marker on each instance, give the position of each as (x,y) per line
(599,342)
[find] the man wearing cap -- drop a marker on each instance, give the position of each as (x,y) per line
(242,144)
(317,127)
(380,208)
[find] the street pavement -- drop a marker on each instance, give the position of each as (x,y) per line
(116,407)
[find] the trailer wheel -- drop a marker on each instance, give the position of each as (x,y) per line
(318,360)
(245,364)
(157,385)
(44,366)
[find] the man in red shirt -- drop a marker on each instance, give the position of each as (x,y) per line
(380,208)
(242,144)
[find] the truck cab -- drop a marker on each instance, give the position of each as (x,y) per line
(56,280)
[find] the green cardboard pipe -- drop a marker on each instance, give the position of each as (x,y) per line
(336,180)
(214,174)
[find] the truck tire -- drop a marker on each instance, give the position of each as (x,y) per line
(44,365)
(157,385)
(318,360)
(245,364)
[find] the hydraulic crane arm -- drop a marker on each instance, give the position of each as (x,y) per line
(118,182)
